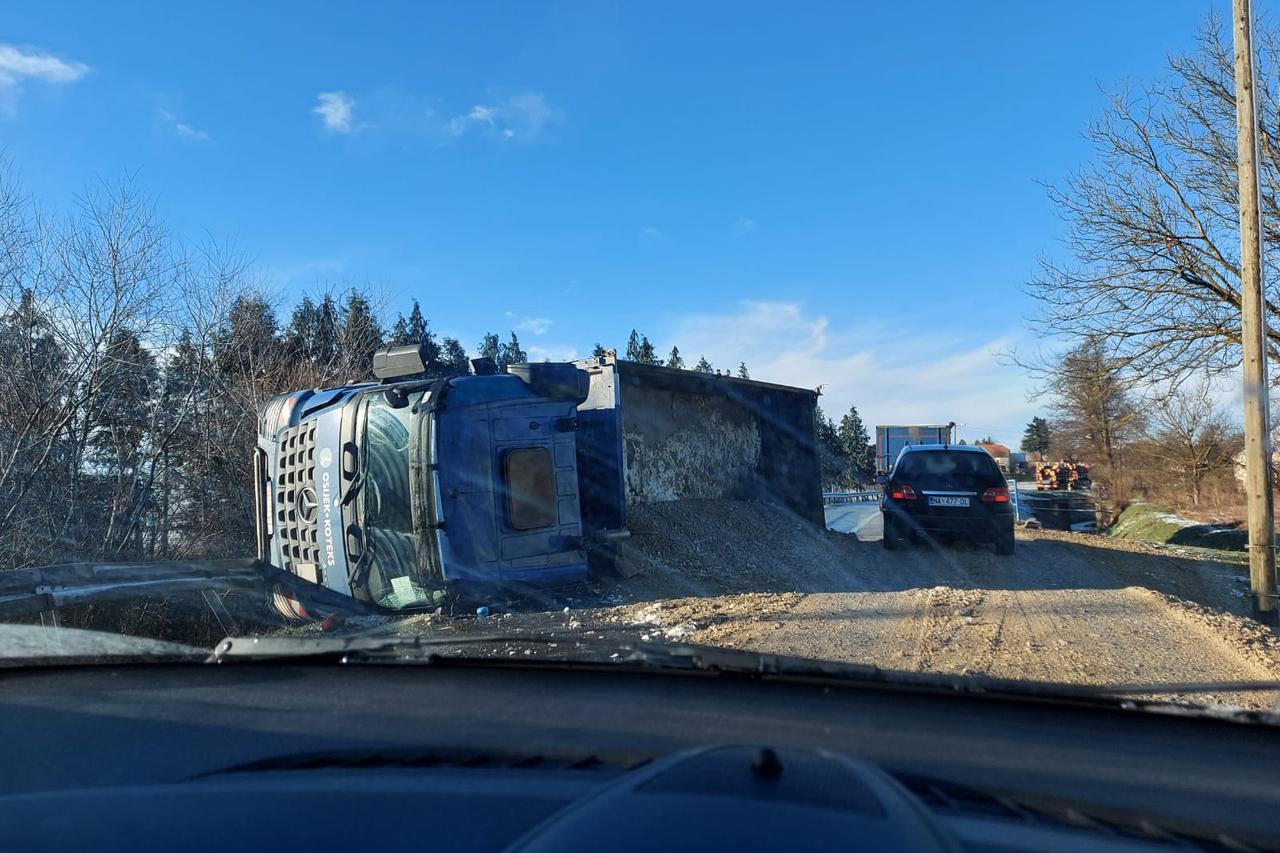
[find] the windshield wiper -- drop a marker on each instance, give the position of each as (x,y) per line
(562,651)
(357,483)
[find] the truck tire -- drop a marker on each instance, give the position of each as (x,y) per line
(1004,543)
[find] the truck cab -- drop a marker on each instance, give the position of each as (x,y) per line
(390,492)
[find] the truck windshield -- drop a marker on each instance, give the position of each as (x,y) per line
(392,573)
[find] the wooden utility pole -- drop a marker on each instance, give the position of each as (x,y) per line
(1257,432)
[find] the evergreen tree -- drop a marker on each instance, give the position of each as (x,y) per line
(599,351)
(633,347)
(703,366)
(674,360)
(327,332)
(417,326)
(453,358)
(246,346)
(361,336)
(1036,437)
(299,338)
(856,445)
(742,370)
(646,352)
(831,459)
(399,334)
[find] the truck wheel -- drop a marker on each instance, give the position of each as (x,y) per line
(1004,543)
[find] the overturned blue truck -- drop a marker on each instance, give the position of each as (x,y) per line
(396,492)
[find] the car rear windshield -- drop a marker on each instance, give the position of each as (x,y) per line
(943,463)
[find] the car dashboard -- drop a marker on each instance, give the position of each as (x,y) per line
(395,757)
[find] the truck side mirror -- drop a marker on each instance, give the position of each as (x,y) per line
(399,362)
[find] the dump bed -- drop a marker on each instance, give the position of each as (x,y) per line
(649,434)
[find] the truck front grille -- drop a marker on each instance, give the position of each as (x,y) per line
(295,478)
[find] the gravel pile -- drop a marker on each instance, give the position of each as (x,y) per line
(713,547)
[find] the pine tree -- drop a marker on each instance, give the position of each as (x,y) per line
(674,360)
(633,347)
(833,463)
(399,334)
(417,325)
(453,358)
(1036,437)
(742,370)
(325,333)
(299,338)
(856,444)
(247,345)
(647,355)
(361,336)
(703,366)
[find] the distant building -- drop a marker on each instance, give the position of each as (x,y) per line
(998,452)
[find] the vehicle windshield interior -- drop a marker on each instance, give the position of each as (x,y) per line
(476,362)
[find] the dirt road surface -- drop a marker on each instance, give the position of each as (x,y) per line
(1074,608)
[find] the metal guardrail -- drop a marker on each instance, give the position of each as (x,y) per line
(874,495)
(833,498)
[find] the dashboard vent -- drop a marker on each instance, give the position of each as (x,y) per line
(962,801)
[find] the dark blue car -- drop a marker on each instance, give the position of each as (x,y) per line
(947,492)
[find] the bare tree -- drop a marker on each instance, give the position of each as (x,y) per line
(1092,394)
(1153,221)
(1193,438)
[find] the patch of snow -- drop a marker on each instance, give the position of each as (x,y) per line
(679,631)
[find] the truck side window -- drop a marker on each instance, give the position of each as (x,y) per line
(531,488)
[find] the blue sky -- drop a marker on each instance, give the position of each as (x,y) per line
(783,184)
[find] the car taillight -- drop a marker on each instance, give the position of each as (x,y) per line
(902,493)
(996,494)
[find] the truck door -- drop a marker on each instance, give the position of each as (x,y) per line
(538,512)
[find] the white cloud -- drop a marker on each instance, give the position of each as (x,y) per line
(16,65)
(745,225)
(336,109)
(19,65)
(551,353)
(524,116)
(533,325)
(892,375)
(182,128)
(651,233)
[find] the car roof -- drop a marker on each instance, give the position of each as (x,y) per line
(919,448)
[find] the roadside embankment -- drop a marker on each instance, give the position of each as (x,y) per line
(1156,523)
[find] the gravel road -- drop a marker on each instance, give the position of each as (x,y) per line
(1075,608)
(1065,607)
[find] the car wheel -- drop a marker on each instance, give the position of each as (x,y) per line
(1004,543)
(892,540)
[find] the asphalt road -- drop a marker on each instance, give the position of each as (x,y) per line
(862,519)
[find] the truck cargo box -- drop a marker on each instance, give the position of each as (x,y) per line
(890,439)
(649,434)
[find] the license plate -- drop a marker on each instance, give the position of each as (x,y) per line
(935,500)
